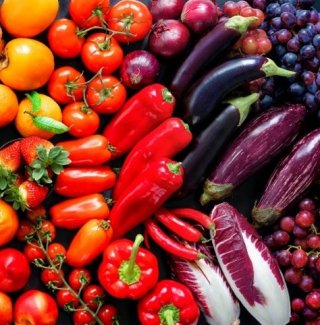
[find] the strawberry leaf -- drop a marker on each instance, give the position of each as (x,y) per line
(35,100)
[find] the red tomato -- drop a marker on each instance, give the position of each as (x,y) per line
(101,51)
(88,13)
(25,228)
(81,120)
(64,38)
(66,85)
(14,270)
(47,231)
(79,278)
(35,307)
(93,296)
(82,317)
(50,277)
(6,310)
(64,297)
(131,18)
(108,314)
(106,94)
(32,251)
(56,252)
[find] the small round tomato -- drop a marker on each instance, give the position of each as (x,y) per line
(82,317)
(105,94)
(79,278)
(64,297)
(81,119)
(9,223)
(101,51)
(93,295)
(25,229)
(66,85)
(35,307)
(56,252)
(131,18)
(47,231)
(14,270)
(51,277)
(6,309)
(108,314)
(89,13)
(65,39)
(32,252)
(36,213)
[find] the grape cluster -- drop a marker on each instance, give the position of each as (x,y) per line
(295,242)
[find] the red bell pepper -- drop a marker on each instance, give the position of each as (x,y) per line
(145,195)
(127,270)
(79,181)
(166,140)
(168,303)
(93,150)
(140,114)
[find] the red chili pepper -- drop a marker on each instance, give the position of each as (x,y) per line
(168,303)
(74,213)
(178,226)
(79,181)
(126,270)
(93,150)
(140,114)
(166,140)
(145,195)
(194,215)
(170,245)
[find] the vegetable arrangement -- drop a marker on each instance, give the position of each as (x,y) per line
(128,132)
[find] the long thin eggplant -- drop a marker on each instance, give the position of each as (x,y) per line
(293,175)
(208,285)
(208,144)
(260,142)
(207,49)
(205,95)
(249,267)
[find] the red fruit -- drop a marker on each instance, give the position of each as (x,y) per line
(10,157)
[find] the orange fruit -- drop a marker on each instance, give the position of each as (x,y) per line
(24,122)
(9,222)
(8,105)
(6,309)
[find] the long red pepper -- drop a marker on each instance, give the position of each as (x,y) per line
(166,140)
(145,195)
(140,114)
(195,215)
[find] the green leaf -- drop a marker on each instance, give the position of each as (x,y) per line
(49,124)
(37,174)
(35,100)
(54,152)
(42,153)
(56,168)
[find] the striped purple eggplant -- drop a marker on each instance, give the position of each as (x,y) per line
(249,267)
(261,141)
(208,285)
(290,179)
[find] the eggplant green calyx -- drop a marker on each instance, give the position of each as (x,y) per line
(271,69)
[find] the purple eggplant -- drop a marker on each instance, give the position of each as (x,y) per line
(293,175)
(205,95)
(249,267)
(209,47)
(261,141)
(208,144)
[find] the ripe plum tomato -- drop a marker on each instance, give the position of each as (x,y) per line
(81,119)
(101,51)
(9,223)
(65,39)
(106,94)
(66,85)
(14,270)
(28,18)
(79,278)
(131,19)
(9,105)
(108,314)
(35,307)
(89,13)
(25,64)
(6,309)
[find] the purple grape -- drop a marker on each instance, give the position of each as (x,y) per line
(311,29)
(307,51)
(314,16)
(318,79)
(310,101)
(303,17)
(268,85)
(317,96)
(288,19)
(288,7)
(312,88)
(283,35)
(297,89)
(304,36)
(267,101)
(317,26)
(260,4)
(280,50)
(313,64)
(276,23)
(273,10)
(316,41)
(308,77)
(289,59)
(298,68)
(293,45)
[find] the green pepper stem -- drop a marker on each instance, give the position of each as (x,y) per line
(132,261)
(168,315)
(175,168)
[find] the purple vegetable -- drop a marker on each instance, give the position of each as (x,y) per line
(166,9)
(169,38)
(260,142)
(199,15)
(139,69)
(293,175)
(249,267)
(208,285)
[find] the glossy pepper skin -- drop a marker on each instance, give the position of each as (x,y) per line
(166,140)
(145,195)
(127,270)
(140,114)
(169,303)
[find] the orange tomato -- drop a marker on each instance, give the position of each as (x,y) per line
(28,18)
(6,309)
(9,223)
(8,105)
(26,64)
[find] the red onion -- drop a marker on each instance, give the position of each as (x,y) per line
(199,15)
(139,68)
(169,38)
(166,9)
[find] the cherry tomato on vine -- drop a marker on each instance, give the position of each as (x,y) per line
(82,317)
(66,85)
(108,314)
(6,309)
(81,119)
(131,19)
(48,276)
(32,251)
(105,94)
(64,297)
(25,229)
(38,212)
(65,39)
(101,51)
(47,231)
(93,295)
(55,250)
(79,278)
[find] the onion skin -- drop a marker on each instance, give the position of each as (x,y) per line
(166,9)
